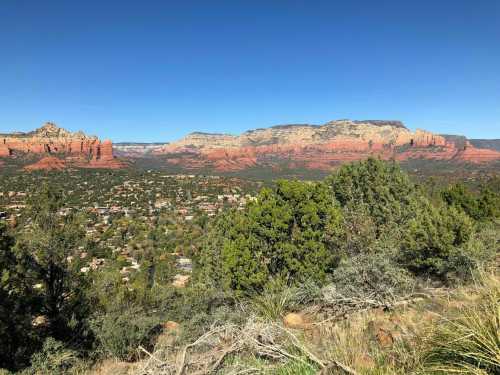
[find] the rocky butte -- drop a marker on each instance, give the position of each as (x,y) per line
(319,146)
(59,148)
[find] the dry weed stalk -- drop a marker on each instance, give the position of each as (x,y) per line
(262,339)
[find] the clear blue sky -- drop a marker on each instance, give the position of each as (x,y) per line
(156,70)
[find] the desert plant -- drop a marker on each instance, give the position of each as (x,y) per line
(120,333)
(469,343)
(276,300)
(372,276)
(54,358)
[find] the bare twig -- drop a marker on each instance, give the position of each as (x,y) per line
(151,355)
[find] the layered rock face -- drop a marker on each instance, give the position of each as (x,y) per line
(317,146)
(77,149)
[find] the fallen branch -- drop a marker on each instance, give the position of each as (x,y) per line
(151,355)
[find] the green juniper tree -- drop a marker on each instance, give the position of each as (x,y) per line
(46,252)
(287,232)
(380,187)
(17,337)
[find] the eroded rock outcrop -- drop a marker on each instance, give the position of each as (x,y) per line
(48,163)
(317,146)
(72,149)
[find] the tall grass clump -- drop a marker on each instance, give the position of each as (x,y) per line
(469,343)
(277,299)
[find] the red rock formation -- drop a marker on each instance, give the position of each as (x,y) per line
(4,150)
(317,147)
(477,155)
(77,148)
(48,163)
(102,157)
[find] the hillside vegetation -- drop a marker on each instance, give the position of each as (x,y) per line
(361,273)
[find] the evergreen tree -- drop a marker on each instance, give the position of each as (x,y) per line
(433,238)
(290,232)
(46,252)
(484,206)
(382,187)
(17,338)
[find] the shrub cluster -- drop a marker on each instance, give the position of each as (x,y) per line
(366,226)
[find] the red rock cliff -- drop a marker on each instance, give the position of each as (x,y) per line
(317,147)
(76,148)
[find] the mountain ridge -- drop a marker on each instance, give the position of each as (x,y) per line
(318,146)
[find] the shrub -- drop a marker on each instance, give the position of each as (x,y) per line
(276,299)
(119,333)
(198,307)
(485,206)
(289,232)
(433,238)
(18,339)
(54,358)
(372,276)
(382,187)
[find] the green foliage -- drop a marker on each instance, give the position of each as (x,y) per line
(17,337)
(382,187)
(276,300)
(433,238)
(484,206)
(289,231)
(200,306)
(54,358)
(42,250)
(119,333)
(295,367)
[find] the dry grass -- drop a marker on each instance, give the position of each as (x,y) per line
(450,332)
(468,341)
(114,367)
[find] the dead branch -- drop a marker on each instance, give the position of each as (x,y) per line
(151,355)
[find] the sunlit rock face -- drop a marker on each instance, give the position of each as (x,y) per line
(317,146)
(48,163)
(75,149)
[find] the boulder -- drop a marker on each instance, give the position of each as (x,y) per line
(294,320)
(40,321)
(170,326)
(180,281)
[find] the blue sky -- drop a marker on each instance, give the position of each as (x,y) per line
(156,70)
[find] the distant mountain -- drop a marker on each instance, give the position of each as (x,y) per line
(136,149)
(322,147)
(286,148)
(493,144)
(76,149)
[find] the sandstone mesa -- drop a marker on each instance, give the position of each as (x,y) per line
(319,146)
